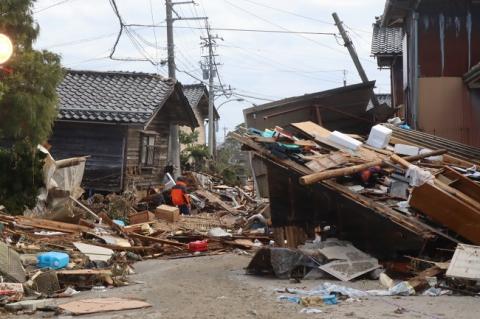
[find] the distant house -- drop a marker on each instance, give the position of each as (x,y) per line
(387,49)
(432,50)
(121,120)
(197,95)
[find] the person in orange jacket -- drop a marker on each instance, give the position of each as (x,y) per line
(180,197)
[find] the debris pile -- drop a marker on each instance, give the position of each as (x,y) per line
(407,205)
(92,243)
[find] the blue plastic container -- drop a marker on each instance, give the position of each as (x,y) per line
(53,260)
(119,222)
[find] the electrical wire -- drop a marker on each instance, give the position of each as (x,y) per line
(290,13)
(51,6)
(285,29)
(154,32)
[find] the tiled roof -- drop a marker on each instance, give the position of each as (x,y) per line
(386,40)
(113,97)
(194,93)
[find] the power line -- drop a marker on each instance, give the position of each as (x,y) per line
(252,97)
(286,31)
(154,32)
(289,12)
(133,40)
(51,6)
(283,28)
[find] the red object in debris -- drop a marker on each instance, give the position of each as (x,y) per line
(199,245)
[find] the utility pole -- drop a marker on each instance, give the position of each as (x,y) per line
(174,142)
(353,54)
(210,43)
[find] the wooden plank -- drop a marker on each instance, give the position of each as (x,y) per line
(97,305)
(447,210)
(463,184)
(51,225)
(419,282)
(158,240)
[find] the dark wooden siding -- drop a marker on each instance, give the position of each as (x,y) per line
(340,109)
(397,82)
(104,144)
(142,177)
(307,207)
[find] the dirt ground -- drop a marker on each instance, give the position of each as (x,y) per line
(217,287)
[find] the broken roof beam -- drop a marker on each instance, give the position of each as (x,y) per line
(411,224)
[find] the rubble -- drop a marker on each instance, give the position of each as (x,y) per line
(414,189)
(95,244)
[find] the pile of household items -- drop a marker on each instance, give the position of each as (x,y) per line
(67,244)
(431,193)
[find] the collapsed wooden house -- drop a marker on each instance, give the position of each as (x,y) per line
(347,109)
(121,120)
(374,223)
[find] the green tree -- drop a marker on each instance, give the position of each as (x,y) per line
(28,102)
(198,152)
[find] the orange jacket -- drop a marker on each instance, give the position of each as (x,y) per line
(179,194)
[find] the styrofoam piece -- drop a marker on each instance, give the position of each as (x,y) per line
(344,140)
(404,149)
(437,158)
(379,136)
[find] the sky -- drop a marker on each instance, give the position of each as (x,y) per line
(262,66)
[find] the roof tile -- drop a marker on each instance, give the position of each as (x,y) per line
(122,97)
(386,40)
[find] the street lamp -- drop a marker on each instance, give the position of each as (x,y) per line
(232,100)
(6,48)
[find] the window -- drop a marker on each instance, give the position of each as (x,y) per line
(147,156)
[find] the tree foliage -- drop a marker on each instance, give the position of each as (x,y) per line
(192,150)
(29,99)
(230,162)
(28,102)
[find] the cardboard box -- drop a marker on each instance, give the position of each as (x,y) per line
(168,213)
(141,217)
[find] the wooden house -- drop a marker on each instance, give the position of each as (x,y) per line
(431,49)
(197,95)
(121,120)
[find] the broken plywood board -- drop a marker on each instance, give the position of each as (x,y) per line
(96,305)
(94,253)
(327,161)
(347,262)
(10,264)
(465,262)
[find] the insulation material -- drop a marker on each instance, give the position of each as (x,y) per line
(379,136)
(344,140)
